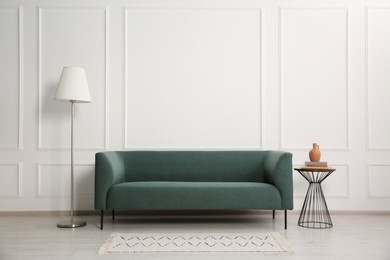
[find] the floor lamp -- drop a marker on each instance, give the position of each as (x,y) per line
(72,87)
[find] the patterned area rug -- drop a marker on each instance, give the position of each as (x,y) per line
(196,242)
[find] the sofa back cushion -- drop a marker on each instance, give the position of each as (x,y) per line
(214,166)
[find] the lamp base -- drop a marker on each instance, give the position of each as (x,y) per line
(71,224)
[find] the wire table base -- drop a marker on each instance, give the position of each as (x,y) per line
(315,213)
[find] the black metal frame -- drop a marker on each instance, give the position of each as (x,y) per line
(113,217)
(315,213)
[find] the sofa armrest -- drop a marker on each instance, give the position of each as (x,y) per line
(109,170)
(278,172)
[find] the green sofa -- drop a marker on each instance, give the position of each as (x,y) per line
(193,180)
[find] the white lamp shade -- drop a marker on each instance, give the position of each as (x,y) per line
(73,86)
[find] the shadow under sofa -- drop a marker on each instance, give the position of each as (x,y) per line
(193,180)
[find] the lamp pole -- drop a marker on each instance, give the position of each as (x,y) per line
(72,223)
(71,163)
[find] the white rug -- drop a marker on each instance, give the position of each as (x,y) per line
(195,242)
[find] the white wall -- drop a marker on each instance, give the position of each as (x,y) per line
(203,75)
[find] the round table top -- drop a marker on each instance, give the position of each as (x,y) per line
(315,169)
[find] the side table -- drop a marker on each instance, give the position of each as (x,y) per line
(315,213)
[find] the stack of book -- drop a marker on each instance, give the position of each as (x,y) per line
(316,164)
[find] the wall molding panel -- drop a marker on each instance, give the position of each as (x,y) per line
(322,34)
(49,124)
(377,78)
(11,184)
(377,179)
(11,78)
(195,75)
(336,186)
(215,21)
(53,180)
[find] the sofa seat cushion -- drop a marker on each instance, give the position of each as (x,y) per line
(165,195)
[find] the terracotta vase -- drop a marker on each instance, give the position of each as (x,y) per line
(315,153)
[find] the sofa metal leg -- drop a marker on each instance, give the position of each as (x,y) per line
(101,219)
(285,219)
(273,214)
(113,215)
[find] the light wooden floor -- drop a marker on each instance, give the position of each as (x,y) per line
(355,236)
